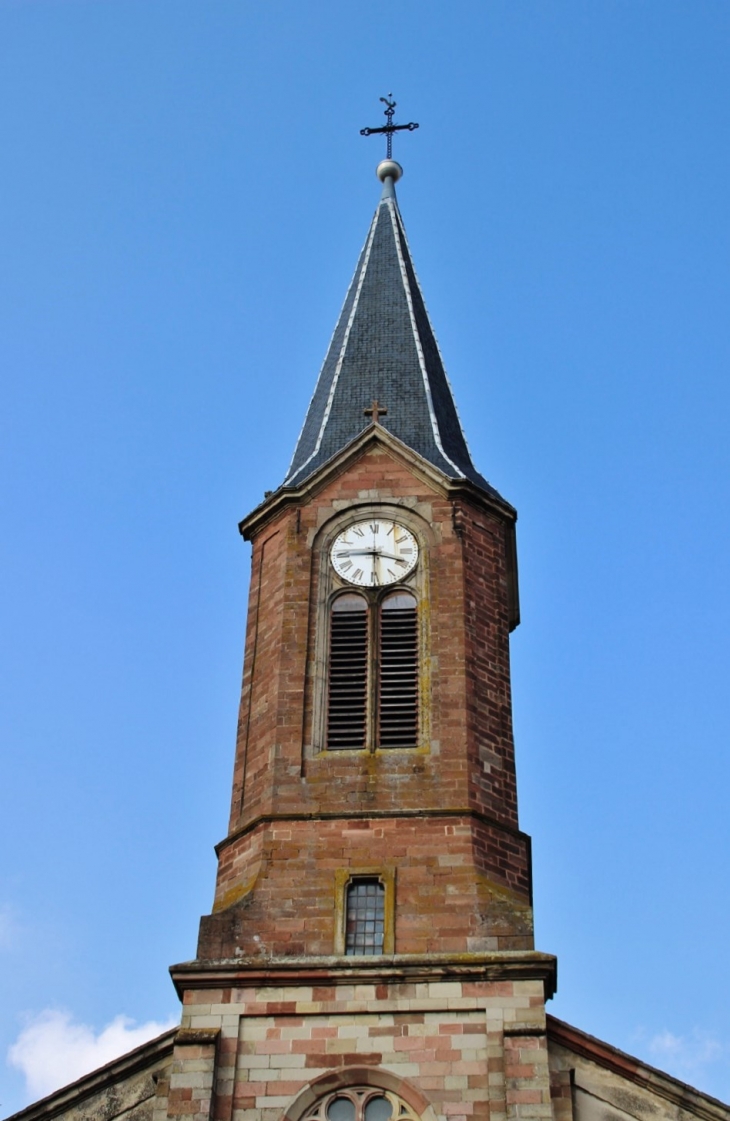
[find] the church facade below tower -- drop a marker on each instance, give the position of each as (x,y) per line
(369,954)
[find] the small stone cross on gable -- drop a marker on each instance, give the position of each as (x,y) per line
(375,412)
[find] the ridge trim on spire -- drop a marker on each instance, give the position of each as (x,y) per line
(394,215)
(360,278)
(390,202)
(436,342)
(384,347)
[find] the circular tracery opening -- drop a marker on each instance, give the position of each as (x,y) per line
(362,1103)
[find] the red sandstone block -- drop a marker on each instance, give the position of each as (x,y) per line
(471,1067)
(274,1047)
(408,1043)
(280,1089)
(324,992)
(181,1093)
(223,1105)
(320,1060)
(443,1055)
(257,1088)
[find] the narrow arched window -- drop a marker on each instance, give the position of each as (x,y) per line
(348,673)
(373,674)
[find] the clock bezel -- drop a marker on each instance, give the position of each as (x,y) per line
(367,522)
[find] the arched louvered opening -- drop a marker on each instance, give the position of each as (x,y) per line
(365,916)
(348,674)
(398,676)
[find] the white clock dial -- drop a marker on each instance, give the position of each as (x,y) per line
(374,553)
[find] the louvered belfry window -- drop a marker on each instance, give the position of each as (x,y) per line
(398,677)
(373,672)
(348,673)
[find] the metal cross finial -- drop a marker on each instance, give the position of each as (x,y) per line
(375,412)
(390,128)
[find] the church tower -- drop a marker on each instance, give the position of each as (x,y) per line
(369,955)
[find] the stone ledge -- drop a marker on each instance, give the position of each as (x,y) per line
(357,815)
(387,969)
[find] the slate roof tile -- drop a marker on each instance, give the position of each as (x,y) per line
(383,348)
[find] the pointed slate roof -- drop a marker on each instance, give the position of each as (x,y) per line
(383,348)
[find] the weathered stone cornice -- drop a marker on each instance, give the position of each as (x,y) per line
(514,965)
(349,815)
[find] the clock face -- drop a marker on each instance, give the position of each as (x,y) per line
(374,553)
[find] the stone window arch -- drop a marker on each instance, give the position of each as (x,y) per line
(361,1103)
(369,719)
(360,1094)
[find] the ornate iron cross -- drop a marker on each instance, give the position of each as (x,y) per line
(390,128)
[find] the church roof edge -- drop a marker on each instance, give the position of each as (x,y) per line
(297,492)
(66,1098)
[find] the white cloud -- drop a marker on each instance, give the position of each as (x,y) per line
(698,1057)
(52,1050)
(688,1052)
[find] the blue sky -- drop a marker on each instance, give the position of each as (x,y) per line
(183,197)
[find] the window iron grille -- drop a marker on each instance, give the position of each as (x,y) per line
(365,917)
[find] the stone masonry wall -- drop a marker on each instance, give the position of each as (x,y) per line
(468,1049)
(444,900)
(286,790)
(470,699)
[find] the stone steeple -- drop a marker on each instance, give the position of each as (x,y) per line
(384,348)
(369,955)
